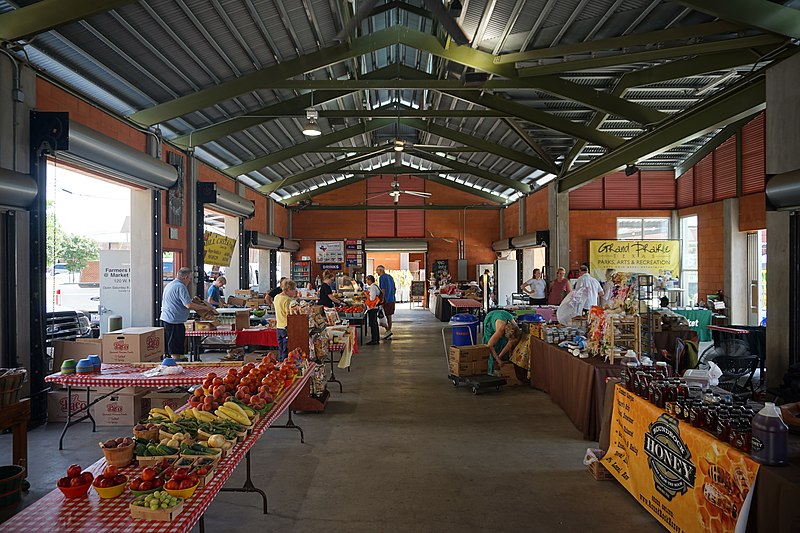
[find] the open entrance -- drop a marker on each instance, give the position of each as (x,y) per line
(89,245)
(405,268)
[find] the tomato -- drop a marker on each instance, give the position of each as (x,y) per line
(148,474)
(135,484)
(185,484)
(64,482)
(110,471)
(120,479)
(73,471)
(87,477)
(76,481)
(146,485)
(180,474)
(158,483)
(172,485)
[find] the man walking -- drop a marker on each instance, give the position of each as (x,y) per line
(386,283)
(175,306)
(593,286)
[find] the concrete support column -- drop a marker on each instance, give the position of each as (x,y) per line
(142,257)
(736,284)
(783,137)
(263,271)
(558,222)
(232,272)
(190,197)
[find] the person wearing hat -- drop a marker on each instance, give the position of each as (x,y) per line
(501,333)
(595,289)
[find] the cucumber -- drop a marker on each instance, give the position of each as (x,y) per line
(152,450)
(140,449)
(163,449)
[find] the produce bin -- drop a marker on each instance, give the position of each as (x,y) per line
(465,329)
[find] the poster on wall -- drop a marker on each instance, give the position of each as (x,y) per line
(354,253)
(330,251)
(685,477)
(218,249)
(658,258)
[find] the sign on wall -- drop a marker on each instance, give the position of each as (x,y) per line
(218,249)
(330,251)
(658,258)
(683,476)
(115,287)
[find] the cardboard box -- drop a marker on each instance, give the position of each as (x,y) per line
(255,303)
(133,345)
(172,397)
(480,367)
(57,404)
(510,374)
(242,319)
(77,349)
(460,369)
(119,410)
(469,354)
(236,302)
(245,293)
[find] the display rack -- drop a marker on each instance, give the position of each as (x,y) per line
(625,333)
(301,271)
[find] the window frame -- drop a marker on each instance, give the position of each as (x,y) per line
(642,220)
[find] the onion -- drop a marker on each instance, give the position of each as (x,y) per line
(216,441)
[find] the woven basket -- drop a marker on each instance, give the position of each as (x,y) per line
(11,478)
(10,385)
(119,457)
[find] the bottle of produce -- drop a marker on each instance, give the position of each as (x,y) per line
(770,439)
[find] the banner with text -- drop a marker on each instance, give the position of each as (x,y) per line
(218,249)
(683,476)
(659,258)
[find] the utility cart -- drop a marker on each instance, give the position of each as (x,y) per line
(475,383)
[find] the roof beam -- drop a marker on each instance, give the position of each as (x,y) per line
(732,104)
(625,41)
(481,144)
(573,129)
(364,149)
(652,55)
(319,171)
(761,14)
(45,15)
(530,141)
(724,134)
(411,113)
(261,78)
(425,207)
(321,190)
(301,148)
(677,69)
(463,168)
(467,189)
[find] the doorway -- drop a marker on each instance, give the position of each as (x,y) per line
(757,278)
(534,257)
(404,267)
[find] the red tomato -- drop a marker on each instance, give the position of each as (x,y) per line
(172,485)
(76,481)
(73,470)
(87,477)
(110,471)
(148,474)
(64,482)
(185,484)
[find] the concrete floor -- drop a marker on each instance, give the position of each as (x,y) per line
(403,450)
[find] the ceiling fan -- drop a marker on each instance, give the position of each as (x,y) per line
(397,191)
(436,7)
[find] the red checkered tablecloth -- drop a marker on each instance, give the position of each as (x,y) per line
(122,375)
(261,337)
(55,513)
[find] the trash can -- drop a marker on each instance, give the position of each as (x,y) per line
(465,329)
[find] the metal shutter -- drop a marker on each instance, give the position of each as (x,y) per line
(590,196)
(704,180)
(411,223)
(685,189)
(753,155)
(658,189)
(725,170)
(621,191)
(380,223)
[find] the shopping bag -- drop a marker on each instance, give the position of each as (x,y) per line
(382,322)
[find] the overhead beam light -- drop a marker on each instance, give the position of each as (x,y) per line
(399,145)
(719,81)
(630,170)
(311,129)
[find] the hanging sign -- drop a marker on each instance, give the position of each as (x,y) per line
(331,266)
(658,258)
(218,249)
(683,476)
(330,251)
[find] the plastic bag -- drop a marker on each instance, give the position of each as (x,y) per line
(572,305)
(592,456)
(714,373)
(382,322)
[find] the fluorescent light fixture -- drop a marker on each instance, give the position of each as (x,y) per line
(399,145)
(547,178)
(441,154)
(719,81)
(311,129)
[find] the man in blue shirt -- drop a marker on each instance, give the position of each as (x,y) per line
(386,283)
(215,292)
(175,306)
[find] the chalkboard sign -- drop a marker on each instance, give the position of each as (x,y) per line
(417,288)
(440,267)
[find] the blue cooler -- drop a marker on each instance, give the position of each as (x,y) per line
(465,329)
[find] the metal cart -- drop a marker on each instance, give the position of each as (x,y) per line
(475,383)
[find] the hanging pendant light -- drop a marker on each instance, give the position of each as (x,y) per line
(311,129)
(399,145)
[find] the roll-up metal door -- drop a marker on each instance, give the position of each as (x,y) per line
(399,245)
(17,190)
(95,151)
(224,201)
(783,190)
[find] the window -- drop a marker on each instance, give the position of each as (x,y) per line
(642,228)
(689,258)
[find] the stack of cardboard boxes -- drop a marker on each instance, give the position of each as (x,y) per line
(123,408)
(469,360)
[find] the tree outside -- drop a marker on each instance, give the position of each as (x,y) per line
(77,251)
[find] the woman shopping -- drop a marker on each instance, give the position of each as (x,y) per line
(559,287)
(501,333)
(373,308)
(536,288)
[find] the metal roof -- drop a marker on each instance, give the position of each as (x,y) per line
(147,55)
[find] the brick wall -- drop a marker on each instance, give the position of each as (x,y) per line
(710,245)
(511,221)
(281,220)
(258,222)
(537,211)
(753,212)
(587,225)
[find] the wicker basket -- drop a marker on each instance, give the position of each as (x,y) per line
(10,385)
(150,434)
(119,457)
(11,478)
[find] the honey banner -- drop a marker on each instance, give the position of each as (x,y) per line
(686,478)
(218,249)
(659,258)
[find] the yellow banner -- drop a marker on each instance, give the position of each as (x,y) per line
(683,476)
(659,258)
(218,249)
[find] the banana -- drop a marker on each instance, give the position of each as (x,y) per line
(235,407)
(235,416)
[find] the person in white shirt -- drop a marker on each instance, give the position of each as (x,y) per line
(595,289)
(536,288)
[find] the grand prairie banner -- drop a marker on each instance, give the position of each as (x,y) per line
(686,478)
(218,249)
(642,257)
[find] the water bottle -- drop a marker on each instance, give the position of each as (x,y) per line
(770,439)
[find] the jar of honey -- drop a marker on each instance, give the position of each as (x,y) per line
(696,414)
